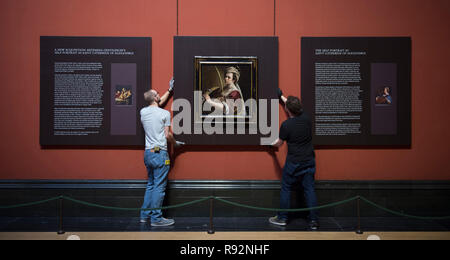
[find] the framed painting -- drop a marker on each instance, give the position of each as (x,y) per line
(228,87)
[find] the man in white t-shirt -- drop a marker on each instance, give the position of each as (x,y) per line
(156,123)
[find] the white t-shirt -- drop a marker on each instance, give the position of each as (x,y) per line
(154,119)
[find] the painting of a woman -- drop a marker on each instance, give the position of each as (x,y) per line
(230,100)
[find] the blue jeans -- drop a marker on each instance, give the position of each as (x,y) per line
(158,171)
(293,172)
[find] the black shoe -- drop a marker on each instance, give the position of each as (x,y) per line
(313,225)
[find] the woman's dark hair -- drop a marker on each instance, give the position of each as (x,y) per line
(294,105)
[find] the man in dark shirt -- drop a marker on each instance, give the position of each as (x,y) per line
(300,162)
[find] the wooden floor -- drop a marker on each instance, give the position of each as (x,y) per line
(225,236)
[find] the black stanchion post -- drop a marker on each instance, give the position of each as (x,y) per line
(211,224)
(358,229)
(60,213)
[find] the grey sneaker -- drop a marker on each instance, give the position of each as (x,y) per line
(276,221)
(143,220)
(163,222)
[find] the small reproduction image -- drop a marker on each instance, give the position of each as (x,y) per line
(123,95)
(384,96)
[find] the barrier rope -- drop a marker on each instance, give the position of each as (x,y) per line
(286,210)
(137,209)
(226,202)
(402,214)
(29,203)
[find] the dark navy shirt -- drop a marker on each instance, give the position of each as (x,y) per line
(297,132)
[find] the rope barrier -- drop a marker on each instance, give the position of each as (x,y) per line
(402,214)
(286,210)
(29,203)
(137,209)
(226,202)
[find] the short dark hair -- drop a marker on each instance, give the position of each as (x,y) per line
(149,96)
(294,105)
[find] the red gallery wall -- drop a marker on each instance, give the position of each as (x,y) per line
(22,22)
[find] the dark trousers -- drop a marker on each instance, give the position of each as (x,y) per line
(292,173)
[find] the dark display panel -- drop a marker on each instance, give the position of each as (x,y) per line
(358,90)
(92,90)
